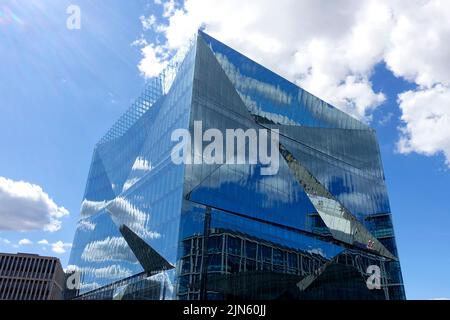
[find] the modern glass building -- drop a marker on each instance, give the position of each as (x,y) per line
(153,229)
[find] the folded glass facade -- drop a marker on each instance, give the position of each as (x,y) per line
(153,229)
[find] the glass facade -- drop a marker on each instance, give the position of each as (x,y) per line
(226,231)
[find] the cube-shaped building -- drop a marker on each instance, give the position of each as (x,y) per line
(316,226)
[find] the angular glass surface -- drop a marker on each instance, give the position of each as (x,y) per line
(133,182)
(230,231)
(274,99)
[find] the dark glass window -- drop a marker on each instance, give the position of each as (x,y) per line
(305,264)
(186,247)
(267,267)
(215,244)
(250,265)
(292,260)
(250,249)
(186,265)
(215,262)
(195,279)
(199,245)
(184,283)
(278,257)
(233,264)
(214,296)
(234,245)
(265,254)
(198,263)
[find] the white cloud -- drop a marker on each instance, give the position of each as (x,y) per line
(419,46)
(244,83)
(109,249)
(25,206)
(86,225)
(124,212)
(330,48)
(332,59)
(426,120)
(72,268)
(147,22)
(153,61)
(113,271)
(386,119)
(140,167)
(60,247)
(419,52)
(89,208)
(141,164)
(25,242)
(129,183)
(5,241)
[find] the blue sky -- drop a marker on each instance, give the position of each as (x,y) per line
(61,89)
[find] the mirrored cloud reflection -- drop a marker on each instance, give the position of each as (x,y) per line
(109,249)
(114,271)
(140,167)
(123,212)
(89,208)
(246,85)
(116,248)
(112,248)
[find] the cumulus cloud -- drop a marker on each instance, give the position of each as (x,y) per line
(419,53)
(5,241)
(332,59)
(419,46)
(60,247)
(153,61)
(330,48)
(25,242)
(426,120)
(25,206)
(147,22)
